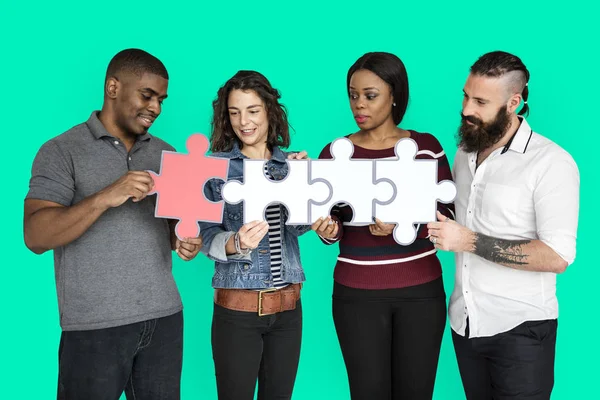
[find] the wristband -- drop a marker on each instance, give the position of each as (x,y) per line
(238,247)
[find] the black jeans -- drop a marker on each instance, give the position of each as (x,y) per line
(143,359)
(518,364)
(390,339)
(246,347)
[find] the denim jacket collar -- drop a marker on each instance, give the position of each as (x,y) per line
(236,153)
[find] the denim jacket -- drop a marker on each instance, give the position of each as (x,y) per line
(252,271)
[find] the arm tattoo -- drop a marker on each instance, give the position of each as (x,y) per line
(501,251)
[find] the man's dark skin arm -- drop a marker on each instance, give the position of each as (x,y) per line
(48,225)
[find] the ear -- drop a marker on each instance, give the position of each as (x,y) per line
(111,88)
(513,102)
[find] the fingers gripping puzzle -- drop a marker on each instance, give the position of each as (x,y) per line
(295,191)
(180,186)
(351,181)
(403,191)
(416,191)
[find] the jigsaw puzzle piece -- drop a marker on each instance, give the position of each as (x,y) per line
(180,186)
(258,192)
(351,181)
(416,191)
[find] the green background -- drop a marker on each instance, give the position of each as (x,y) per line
(53,58)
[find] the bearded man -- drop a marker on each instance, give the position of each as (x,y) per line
(516,226)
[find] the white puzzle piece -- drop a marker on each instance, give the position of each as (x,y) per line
(416,191)
(294,191)
(351,181)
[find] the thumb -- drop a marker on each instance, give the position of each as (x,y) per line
(440,216)
(302,155)
(379,224)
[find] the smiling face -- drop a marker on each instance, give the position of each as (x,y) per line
(248,117)
(138,101)
(371,100)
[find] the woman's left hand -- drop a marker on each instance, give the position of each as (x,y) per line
(381,229)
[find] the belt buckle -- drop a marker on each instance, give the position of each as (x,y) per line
(260,298)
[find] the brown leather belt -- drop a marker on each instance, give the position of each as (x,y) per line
(265,302)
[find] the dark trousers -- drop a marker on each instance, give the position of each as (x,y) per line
(390,339)
(143,359)
(247,347)
(518,364)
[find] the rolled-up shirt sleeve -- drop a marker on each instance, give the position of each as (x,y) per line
(52,176)
(556,201)
(216,250)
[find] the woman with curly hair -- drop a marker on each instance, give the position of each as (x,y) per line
(257,319)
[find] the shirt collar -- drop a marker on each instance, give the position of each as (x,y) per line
(235,152)
(99,131)
(520,140)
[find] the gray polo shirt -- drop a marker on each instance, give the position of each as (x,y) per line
(119,271)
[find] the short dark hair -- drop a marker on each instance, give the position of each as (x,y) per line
(498,63)
(392,71)
(137,62)
(222,135)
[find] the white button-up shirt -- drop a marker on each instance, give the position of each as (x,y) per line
(528,189)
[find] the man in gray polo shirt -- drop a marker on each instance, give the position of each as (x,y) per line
(120,309)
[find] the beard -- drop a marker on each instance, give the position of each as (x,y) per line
(482,135)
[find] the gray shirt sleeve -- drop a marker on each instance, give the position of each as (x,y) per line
(52,176)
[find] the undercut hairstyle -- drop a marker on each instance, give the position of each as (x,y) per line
(137,62)
(223,137)
(502,64)
(392,71)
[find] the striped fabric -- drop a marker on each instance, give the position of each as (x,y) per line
(273,216)
(378,262)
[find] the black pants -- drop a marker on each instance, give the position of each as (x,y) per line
(247,347)
(513,365)
(143,359)
(390,339)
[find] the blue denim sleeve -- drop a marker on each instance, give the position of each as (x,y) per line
(214,236)
(216,250)
(297,230)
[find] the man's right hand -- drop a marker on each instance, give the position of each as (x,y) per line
(133,185)
(48,225)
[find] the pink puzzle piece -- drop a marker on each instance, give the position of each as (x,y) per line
(180,186)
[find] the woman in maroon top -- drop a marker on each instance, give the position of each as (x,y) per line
(389,304)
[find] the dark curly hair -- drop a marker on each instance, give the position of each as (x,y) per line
(222,136)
